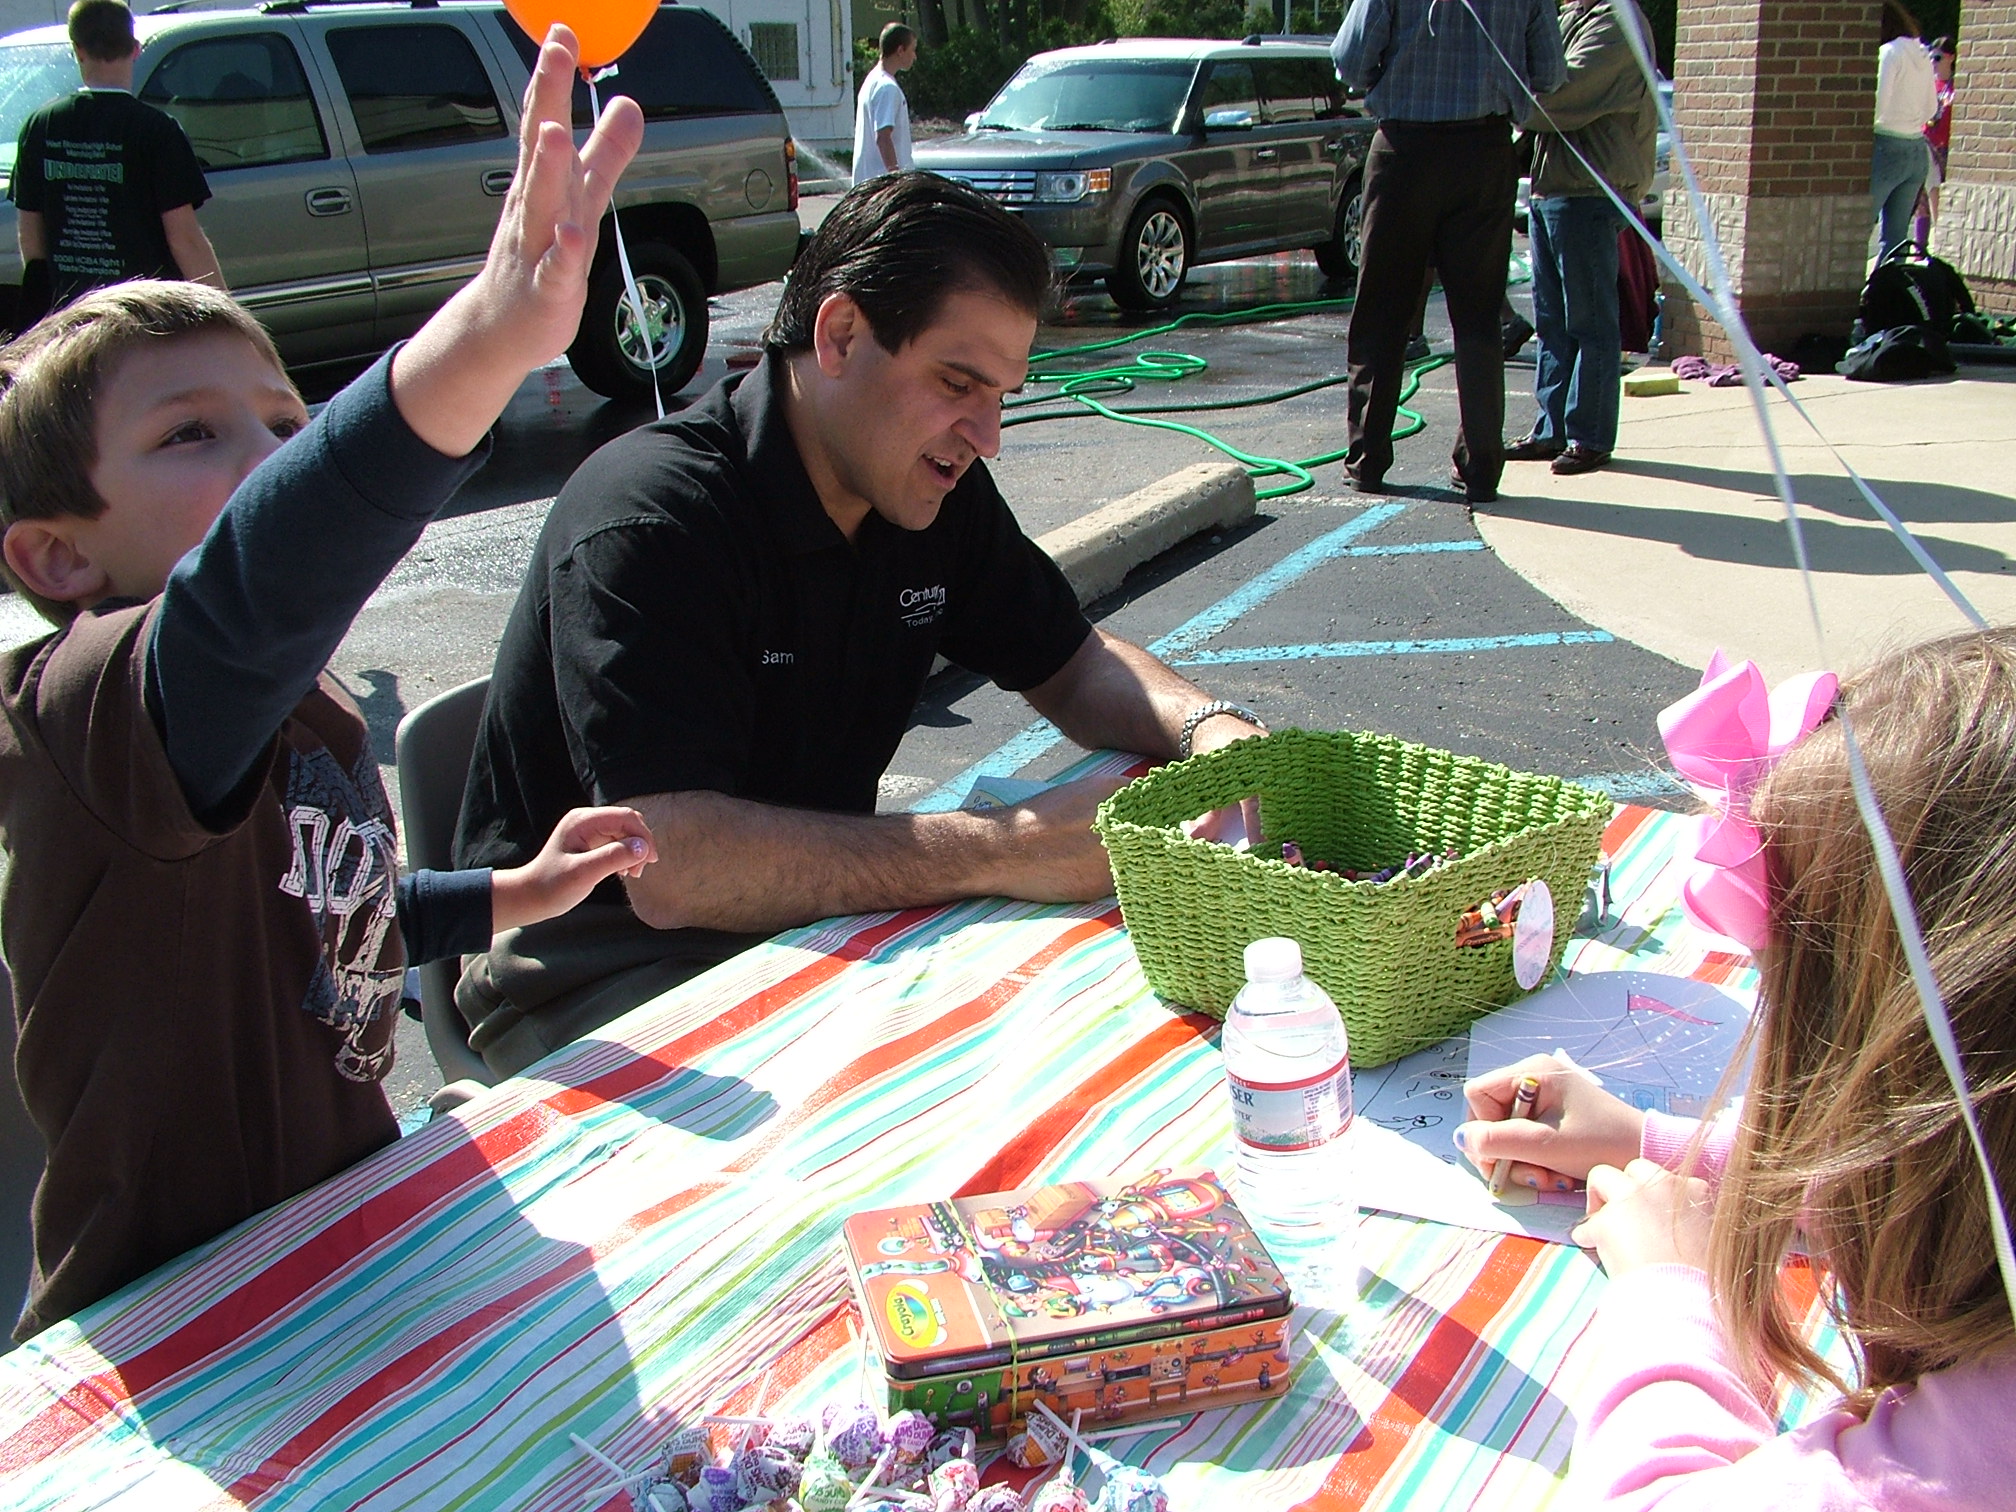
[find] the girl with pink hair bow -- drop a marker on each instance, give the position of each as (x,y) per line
(1849,1143)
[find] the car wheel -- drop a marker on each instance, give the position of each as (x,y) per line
(1154,258)
(614,353)
(1338,257)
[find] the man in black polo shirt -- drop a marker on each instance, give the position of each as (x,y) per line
(730,616)
(105,187)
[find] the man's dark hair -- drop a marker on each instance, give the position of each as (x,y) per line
(899,246)
(102,30)
(895,37)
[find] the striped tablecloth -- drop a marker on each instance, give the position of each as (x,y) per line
(636,1236)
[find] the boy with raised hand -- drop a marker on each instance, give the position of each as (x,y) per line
(202,913)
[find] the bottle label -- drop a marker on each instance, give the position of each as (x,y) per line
(1286,1116)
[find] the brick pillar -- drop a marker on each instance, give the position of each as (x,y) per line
(1976,231)
(1775,100)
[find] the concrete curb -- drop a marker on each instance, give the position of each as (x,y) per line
(1097,552)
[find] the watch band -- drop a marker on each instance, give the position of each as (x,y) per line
(1211,710)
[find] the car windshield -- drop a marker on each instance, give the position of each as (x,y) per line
(31,74)
(1092,94)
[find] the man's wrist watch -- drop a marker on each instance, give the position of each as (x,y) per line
(1212,710)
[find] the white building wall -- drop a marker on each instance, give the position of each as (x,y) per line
(820,102)
(19,15)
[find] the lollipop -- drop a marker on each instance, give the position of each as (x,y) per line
(1124,1489)
(1027,1451)
(1131,1490)
(763,1474)
(1061,1494)
(794,1435)
(910,1434)
(664,1496)
(685,1453)
(717,1485)
(825,1486)
(995,1498)
(854,1434)
(954,1443)
(953,1486)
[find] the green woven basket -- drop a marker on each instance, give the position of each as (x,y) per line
(1386,952)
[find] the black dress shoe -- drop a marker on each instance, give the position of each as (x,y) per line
(1530,448)
(1578,458)
(1517,332)
(1367,483)
(1472,494)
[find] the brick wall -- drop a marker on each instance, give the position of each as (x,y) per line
(1976,230)
(1774,99)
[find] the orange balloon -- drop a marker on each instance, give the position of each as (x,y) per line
(604,28)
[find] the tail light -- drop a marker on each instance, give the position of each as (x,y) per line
(791,172)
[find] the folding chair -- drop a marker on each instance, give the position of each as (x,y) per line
(432,749)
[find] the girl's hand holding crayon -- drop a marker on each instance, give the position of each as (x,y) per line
(1645,1215)
(1574,1127)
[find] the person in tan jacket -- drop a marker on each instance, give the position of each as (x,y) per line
(1605,113)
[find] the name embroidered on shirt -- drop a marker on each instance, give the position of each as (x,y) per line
(779,658)
(921,606)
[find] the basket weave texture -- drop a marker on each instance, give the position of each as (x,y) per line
(1385,952)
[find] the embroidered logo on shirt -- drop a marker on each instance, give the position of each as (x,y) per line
(344,865)
(921,606)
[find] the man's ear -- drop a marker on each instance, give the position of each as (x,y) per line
(837,330)
(50,565)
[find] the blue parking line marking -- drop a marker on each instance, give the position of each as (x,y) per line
(1636,787)
(1039,737)
(1395,648)
(1297,564)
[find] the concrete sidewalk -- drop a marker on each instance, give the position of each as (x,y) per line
(1680,544)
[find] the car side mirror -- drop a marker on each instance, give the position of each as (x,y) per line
(973,120)
(1229,119)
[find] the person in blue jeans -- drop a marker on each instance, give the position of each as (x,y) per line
(1605,113)
(1907,99)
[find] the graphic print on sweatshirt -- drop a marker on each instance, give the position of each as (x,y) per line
(344,868)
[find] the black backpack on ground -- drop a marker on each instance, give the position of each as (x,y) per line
(1907,310)
(1897,355)
(1912,287)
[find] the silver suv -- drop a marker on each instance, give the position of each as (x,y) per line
(358,155)
(1136,160)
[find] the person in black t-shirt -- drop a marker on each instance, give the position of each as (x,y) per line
(106,188)
(730,615)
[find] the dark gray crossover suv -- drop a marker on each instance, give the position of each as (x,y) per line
(358,155)
(1135,160)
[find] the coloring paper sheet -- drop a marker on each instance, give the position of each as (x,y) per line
(1656,1041)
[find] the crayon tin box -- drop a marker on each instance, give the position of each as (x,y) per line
(1128,1299)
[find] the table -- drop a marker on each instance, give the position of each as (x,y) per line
(633,1236)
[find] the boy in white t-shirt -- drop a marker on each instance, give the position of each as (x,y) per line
(881,113)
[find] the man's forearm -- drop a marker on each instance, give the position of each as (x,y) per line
(885,143)
(1112,694)
(728,863)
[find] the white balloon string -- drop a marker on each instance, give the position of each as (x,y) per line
(639,324)
(1722,302)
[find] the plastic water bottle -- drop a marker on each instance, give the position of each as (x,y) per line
(1288,1070)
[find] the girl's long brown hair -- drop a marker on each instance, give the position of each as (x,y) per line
(1851,1131)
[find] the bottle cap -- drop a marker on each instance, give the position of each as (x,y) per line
(1273,960)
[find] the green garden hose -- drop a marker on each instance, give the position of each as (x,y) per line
(1085,385)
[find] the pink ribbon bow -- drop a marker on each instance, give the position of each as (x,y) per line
(1723,737)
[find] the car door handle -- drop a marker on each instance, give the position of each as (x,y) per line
(497,181)
(1335,146)
(1263,154)
(328,201)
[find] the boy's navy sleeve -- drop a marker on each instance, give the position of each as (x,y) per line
(251,617)
(444,913)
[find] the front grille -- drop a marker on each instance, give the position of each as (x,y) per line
(1009,186)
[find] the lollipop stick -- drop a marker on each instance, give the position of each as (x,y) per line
(601,1459)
